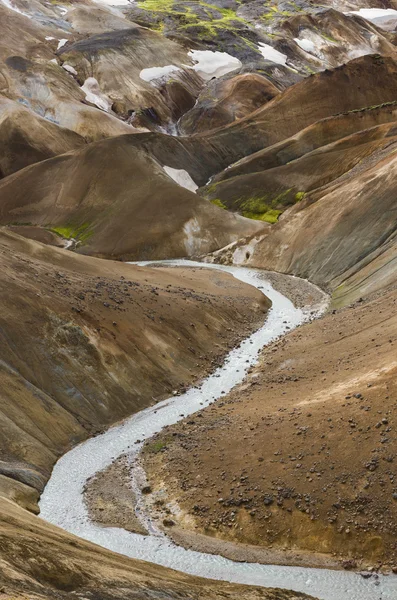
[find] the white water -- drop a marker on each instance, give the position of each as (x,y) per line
(62,500)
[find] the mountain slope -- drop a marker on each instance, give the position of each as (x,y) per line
(26,138)
(87,342)
(120,203)
(350,225)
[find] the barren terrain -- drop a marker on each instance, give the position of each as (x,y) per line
(298,459)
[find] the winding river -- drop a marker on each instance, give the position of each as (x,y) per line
(62,500)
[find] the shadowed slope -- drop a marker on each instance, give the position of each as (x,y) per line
(26,138)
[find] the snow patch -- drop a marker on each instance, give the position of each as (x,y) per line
(181,177)
(49,38)
(11,6)
(94,95)
(157,72)
(374,13)
(213,64)
(61,43)
(270,53)
(69,69)
(306,45)
(386,18)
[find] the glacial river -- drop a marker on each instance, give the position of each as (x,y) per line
(62,500)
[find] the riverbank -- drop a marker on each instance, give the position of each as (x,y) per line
(109,495)
(296,464)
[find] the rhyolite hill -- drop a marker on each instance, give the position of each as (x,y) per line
(261,133)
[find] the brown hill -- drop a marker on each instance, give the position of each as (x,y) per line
(87,342)
(329,38)
(227,100)
(263,194)
(351,227)
(30,72)
(26,138)
(118,202)
(304,472)
(116,60)
(48,563)
(321,133)
(357,85)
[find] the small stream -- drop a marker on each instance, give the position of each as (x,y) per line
(62,500)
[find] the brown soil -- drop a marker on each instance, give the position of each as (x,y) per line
(110,498)
(39,561)
(87,342)
(38,234)
(118,203)
(300,457)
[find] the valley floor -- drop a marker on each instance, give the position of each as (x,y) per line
(297,464)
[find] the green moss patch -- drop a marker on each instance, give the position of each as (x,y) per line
(69,232)
(156,446)
(265,208)
(299,196)
(219,203)
(270,216)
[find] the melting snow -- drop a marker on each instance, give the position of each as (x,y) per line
(375,13)
(181,177)
(270,53)
(385,18)
(213,64)
(306,45)
(69,69)
(93,94)
(10,5)
(157,72)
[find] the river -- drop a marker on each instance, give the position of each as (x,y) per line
(62,500)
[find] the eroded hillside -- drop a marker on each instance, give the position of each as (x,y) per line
(245,132)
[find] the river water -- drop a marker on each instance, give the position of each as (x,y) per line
(62,500)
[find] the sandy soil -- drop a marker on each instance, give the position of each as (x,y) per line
(110,498)
(300,458)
